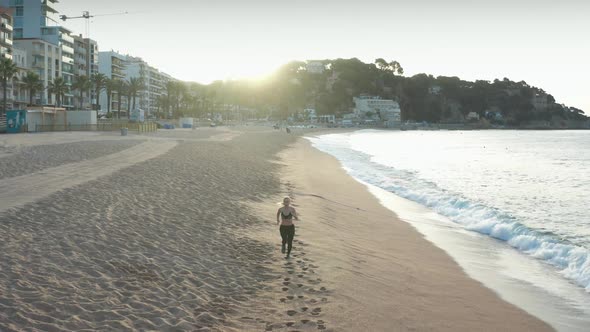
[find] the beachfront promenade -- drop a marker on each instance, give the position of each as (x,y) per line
(174,231)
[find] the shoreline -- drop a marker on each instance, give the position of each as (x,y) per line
(141,254)
(384,274)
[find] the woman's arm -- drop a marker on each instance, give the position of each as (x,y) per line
(278,213)
(295,214)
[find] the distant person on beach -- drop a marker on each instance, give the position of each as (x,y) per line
(287,228)
(288,130)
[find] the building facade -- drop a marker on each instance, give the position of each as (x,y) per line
(44,59)
(86,64)
(372,108)
(6,31)
(20,96)
(7,52)
(125,67)
(36,20)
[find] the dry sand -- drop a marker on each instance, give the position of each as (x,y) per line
(183,238)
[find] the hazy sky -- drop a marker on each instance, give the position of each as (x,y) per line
(546,43)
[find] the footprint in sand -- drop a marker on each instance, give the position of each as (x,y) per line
(286,283)
(285,289)
(290,297)
(316,311)
(304,309)
(291,312)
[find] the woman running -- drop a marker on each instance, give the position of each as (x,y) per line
(287,213)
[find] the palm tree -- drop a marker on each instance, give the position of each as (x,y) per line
(135,86)
(128,98)
(33,84)
(161,103)
(81,83)
(121,89)
(59,88)
(171,91)
(99,82)
(8,70)
(110,85)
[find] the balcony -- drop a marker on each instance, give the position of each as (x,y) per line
(66,38)
(67,49)
(6,27)
(118,65)
(6,41)
(48,9)
(38,64)
(67,59)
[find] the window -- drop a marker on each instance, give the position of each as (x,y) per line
(19,11)
(18,33)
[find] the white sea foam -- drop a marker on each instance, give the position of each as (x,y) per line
(572,260)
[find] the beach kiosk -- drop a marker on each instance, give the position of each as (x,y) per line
(16,121)
(46,116)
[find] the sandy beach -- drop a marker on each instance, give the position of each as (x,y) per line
(175,231)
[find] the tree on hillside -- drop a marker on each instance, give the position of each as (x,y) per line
(396,68)
(382,64)
(32,83)
(8,71)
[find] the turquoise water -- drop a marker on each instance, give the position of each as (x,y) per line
(528,189)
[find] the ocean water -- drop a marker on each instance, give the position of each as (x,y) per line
(527,193)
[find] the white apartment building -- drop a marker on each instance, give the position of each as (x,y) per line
(20,96)
(112,65)
(44,59)
(124,67)
(6,31)
(86,64)
(377,109)
(35,20)
(154,84)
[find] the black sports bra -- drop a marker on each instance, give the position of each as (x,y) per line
(289,216)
